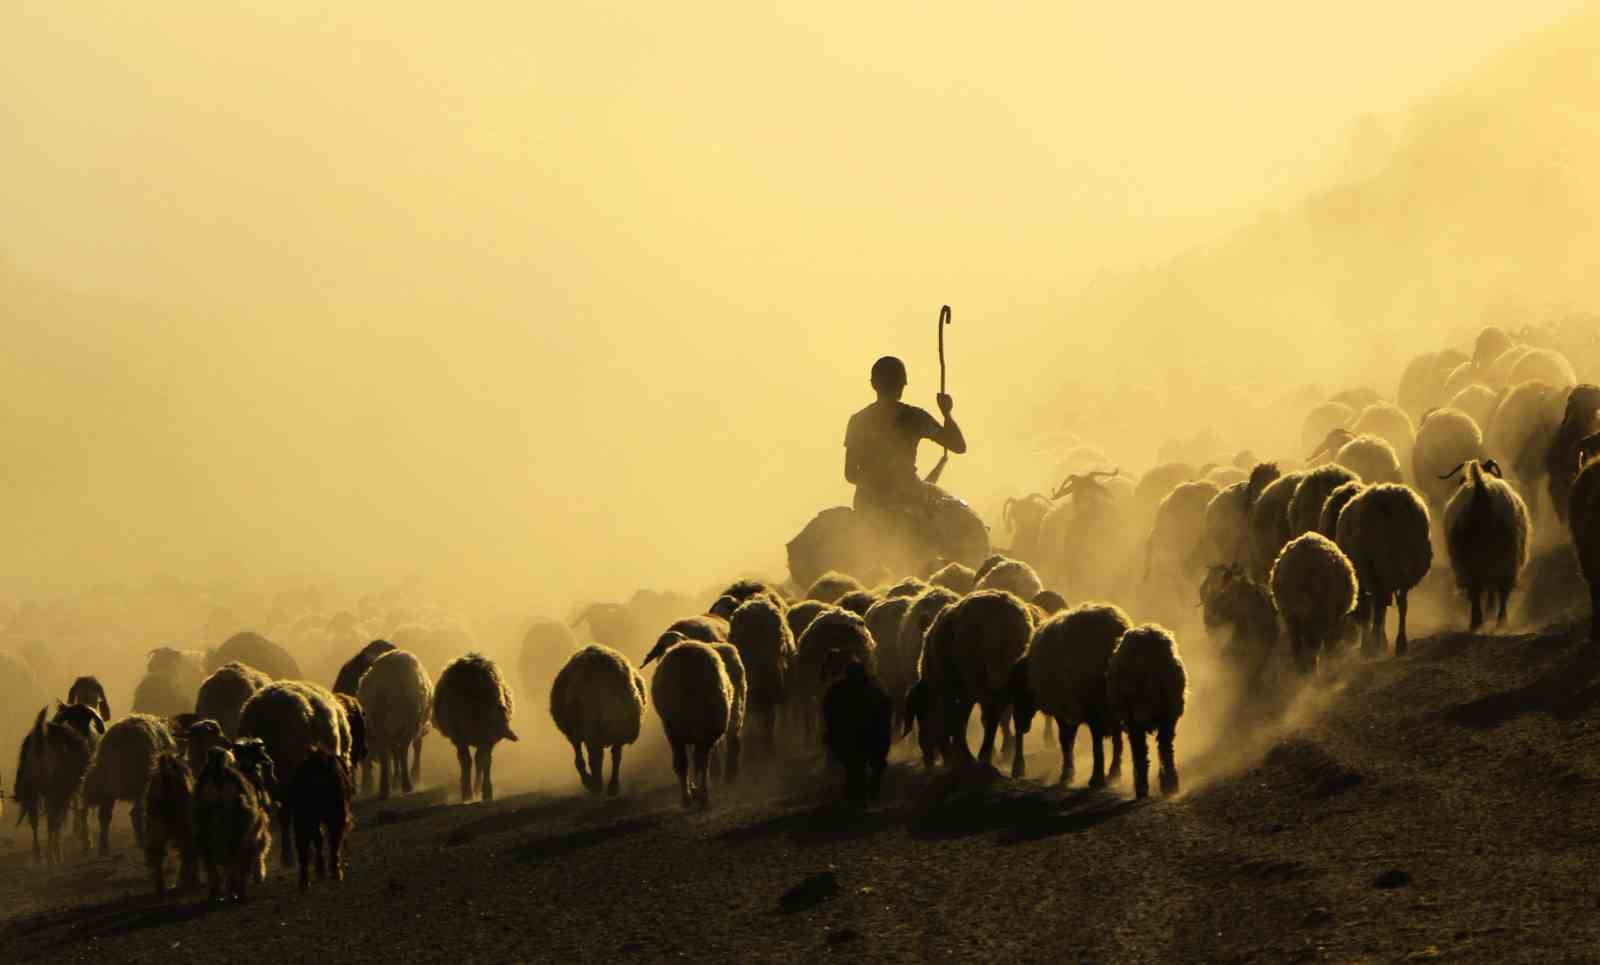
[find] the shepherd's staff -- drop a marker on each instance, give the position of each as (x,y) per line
(944,319)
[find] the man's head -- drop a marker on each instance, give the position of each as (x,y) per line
(889,377)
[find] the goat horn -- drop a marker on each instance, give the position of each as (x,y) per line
(1490,465)
(1452,472)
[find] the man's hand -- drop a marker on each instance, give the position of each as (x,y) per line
(945,403)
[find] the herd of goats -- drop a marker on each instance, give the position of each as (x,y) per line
(1294,561)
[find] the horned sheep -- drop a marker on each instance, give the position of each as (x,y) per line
(1487,534)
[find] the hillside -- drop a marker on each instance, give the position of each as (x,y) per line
(1442,806)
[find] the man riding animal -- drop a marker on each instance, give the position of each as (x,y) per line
(880,456)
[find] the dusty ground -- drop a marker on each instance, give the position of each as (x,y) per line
(1439,806)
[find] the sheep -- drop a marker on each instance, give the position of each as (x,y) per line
(1463,376)
(1066,672)
(857,602)
(198,740)
(767,649)
(1579,418)
(396,695)
(186,667)
(1545,365)
(169,821)
(1014,576)
(1269,523)
(1445,439)
(857,729)
(1584,525)
(1154,486)
(597,701)
(1305,509)
(1146,688)
(830,586)
(1227,516)
(161,695)
(230,826)
(1388,422)
(351,671)
(290,717)
(1023,518)
(1492,342)
(741,591)
(357,716)
(1233,604)
(900,669)
(909,587)
(1328,520)
(1175,537)
(1477,401)
(50,767)
(833,629)
(223,695)
(722,607)
(254,650)
(705,628)
(799,616)
(120,769)
(1422,382)
(1314,589)
(1497,374)
(971,651)
(472,708)
(728,763)
(1321,419)
(319,795)
(1371,458)
(694,699)
(1048,602)
(1487,534)
(1520,432)
(1224,476)
(1383,530)
(88,692)
(1093,509)
(954,576)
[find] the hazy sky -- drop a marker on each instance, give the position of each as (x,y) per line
(562,297)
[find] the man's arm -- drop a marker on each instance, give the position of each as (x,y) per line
(948,435)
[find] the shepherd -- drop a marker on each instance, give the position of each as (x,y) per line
(880,455)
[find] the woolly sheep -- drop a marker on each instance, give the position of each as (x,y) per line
(169,821)
(1383,530)
(230,827)
(1545,365)
(1388,422)
(1147,688)
(1580,416)
(801,614)
(857,729)
(1477,401)
(694,699)
(1520,432)
(1227,516)
(319,794)
(1492,342)
(1154,486)
(50,766)
(1445,439)
(597,701)
(830,586)
(971,651)
(186,667)
(742,591)
(1314,589)
(1328,520)
(1225,476)
(1175,537)
(160,695)
(1305,509)
(121,768)
(954,576)
(1014,576)
(1422,382)
(88,692)
(1487,534)
(472,708)
(1067,675)
(254,650)
(1321,419)
(1269,523)
(1461,377)
(290,717)
(908,645)
(357,716)
(767,649)
(727,765)
(1497,374)
(909,587)
(223,694)
(1240,617)
(1372,459)
(396,696)
(1048,602)
(833,629)
(857,602)
(350,673)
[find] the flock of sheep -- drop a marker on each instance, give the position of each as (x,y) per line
(1294,562)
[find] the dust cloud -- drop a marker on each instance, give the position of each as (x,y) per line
(472,314)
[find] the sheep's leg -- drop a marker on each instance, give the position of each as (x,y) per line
(286,835)
(578,762)
(991,724)
(702,767)
(1141,761)
(1400,635)
(385,765)
(616,771)
(1475,595)
(81,820)
(486,771)
(1500,617)
(38,852)
(716,758)
(680,766)
(1019,767)
(52,820)
(956,739)
(336,848)
(1049,731)
(1116,753)
(404,767)
(464,758)
(1378,641)
(105,830)
(137,816)
(597,767)
(1165,734)
(1005,731)
(416,761)
(322,852)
